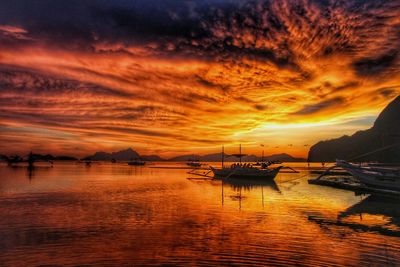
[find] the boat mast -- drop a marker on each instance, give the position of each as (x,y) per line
(222,157)
(240,153)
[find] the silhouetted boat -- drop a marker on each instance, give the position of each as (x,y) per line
(195,163)
(244,171)
(136,163)
(31,159)
(373,176)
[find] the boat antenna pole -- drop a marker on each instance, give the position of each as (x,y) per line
(222,157)
(262,157)
(240,153)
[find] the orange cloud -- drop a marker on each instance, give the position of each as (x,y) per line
(267,74)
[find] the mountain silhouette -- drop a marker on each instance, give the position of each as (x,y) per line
(384,133)
(215,157)
(130,154)
(123,155)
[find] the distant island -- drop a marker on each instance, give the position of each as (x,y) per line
(228,158)
(47,157)
(123,155)
(130,154)
(361,145)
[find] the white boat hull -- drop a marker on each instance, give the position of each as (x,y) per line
(373,177)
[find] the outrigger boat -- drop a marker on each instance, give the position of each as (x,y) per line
(195,163)
(373,176)
(244,171)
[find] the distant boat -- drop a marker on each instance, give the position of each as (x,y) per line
(136,163)
(373,176)
(195,163)
(244,171)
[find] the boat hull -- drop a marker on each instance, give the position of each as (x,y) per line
(245,173)
(372,177)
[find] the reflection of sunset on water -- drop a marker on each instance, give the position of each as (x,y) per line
(140,215)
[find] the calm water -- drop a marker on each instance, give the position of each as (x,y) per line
(113,214)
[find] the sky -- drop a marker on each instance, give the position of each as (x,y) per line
(175,77)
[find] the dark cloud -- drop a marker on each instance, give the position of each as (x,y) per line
(314,108)
(348,85)
(260,107)
(223,30)
(376,65)
(36,84)
(389,92)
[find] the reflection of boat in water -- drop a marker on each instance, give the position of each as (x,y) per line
(375,205)
(250,184)
(382,207)
(136,162)
(373,176)
(239,185)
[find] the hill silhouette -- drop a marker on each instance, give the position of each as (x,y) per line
(385,132)
(130,154)
(123,155)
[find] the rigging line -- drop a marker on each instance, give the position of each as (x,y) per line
(372,152)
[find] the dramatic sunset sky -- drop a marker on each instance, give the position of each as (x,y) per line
(174,77)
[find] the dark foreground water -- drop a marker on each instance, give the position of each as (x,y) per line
(118,215)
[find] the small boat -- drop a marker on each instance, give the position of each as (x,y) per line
(377,177)
(136,163)
(193,162)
